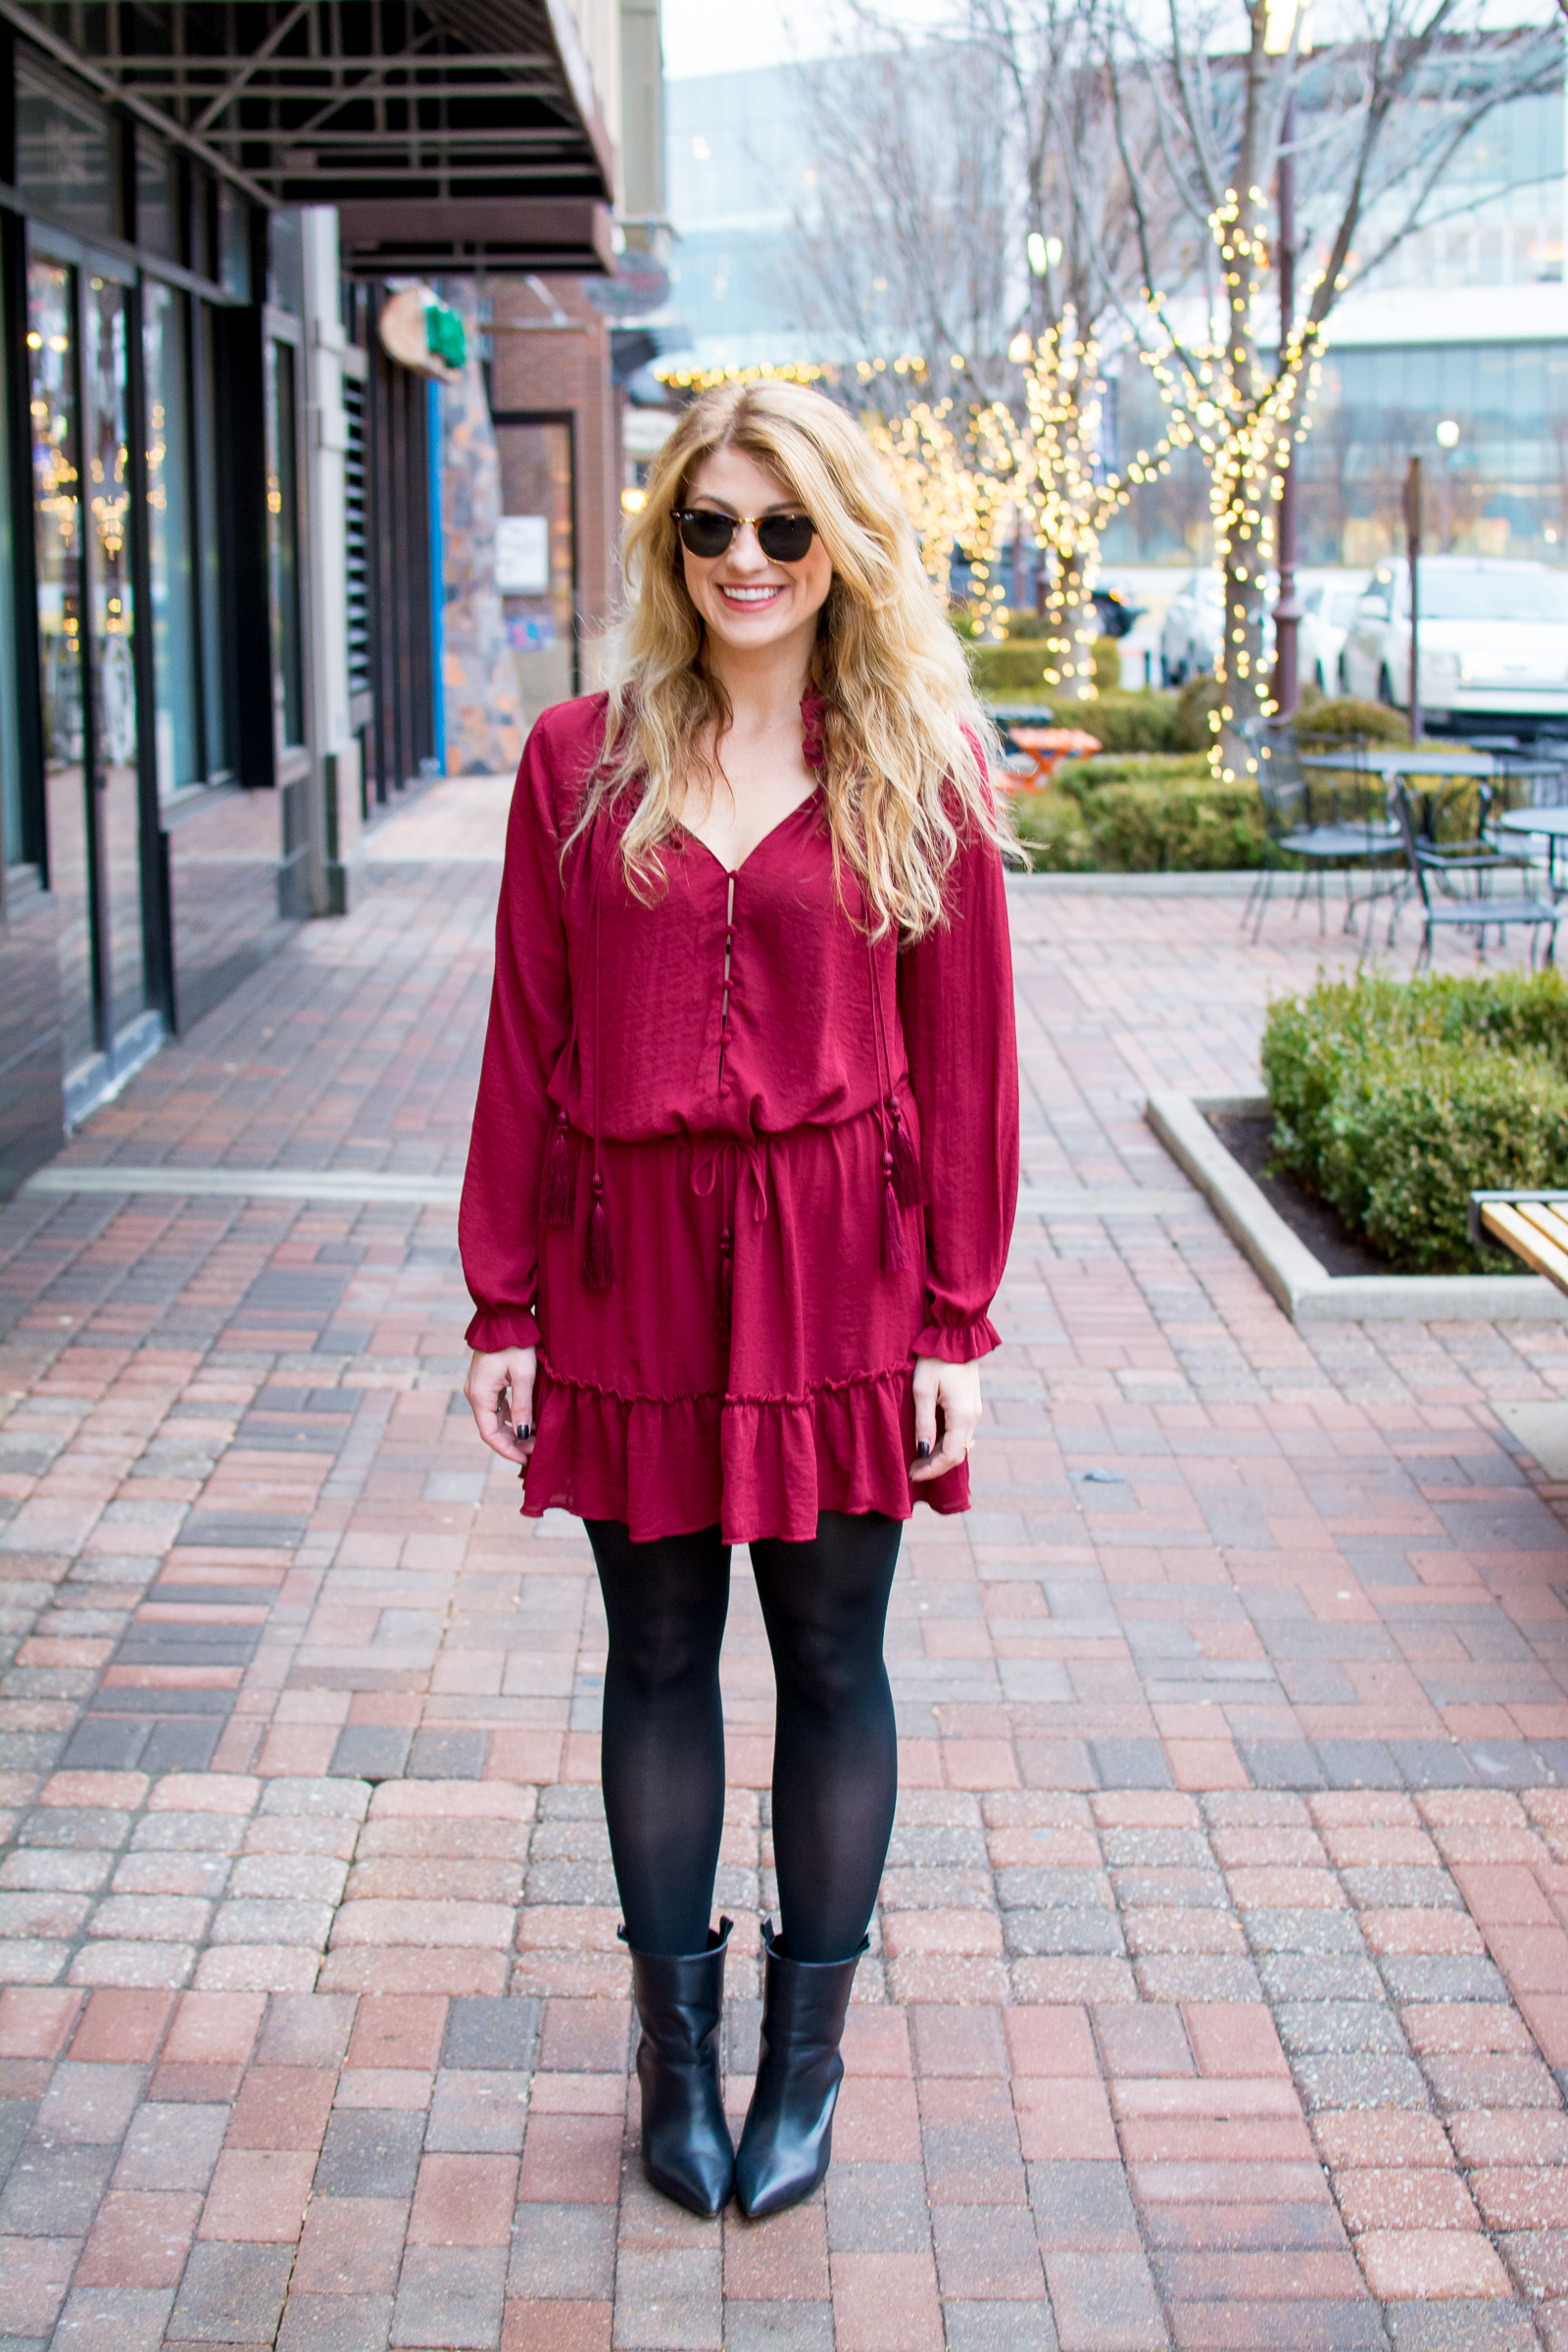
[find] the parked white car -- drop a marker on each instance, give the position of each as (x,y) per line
(1328,608)
(1193,624)
(1493,639)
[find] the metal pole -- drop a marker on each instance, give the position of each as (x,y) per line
(1412,541)
(1287,611)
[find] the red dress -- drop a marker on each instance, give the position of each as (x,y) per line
(733,1149)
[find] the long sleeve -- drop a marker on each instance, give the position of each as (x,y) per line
(530,1025)
(960,1033)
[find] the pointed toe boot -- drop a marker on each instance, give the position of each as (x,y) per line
(687,2151)
(788,2140)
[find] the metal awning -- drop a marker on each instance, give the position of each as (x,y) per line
(447,131)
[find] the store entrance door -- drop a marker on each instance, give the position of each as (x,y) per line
(79,349)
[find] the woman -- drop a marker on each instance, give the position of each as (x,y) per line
(742,1177)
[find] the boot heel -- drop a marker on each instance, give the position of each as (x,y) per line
(687,2151)
(787,2143)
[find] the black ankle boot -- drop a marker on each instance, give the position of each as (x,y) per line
(788,2140)
(687,2151)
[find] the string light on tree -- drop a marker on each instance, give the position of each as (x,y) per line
(1054,455)
(952,500)
(1245,421)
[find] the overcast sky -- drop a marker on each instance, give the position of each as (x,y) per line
(702,37)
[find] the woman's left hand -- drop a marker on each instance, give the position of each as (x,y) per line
(950,1393)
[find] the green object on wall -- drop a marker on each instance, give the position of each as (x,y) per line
(444,335)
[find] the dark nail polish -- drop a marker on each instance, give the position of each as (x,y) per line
(525,1430)
(922,1451)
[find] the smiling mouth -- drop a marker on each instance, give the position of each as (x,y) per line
(749,600)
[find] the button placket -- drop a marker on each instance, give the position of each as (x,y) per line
(730,950)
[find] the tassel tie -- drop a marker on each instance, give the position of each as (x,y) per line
(560,1204)
(902,1185)
(733,1159)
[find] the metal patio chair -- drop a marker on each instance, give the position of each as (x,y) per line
(1454,882)
(1303,819)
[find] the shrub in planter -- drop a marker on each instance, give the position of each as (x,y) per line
(1136,720)
(1346,718)
(1051,828)
(1080,776)
(1395,1099)
(1007,671)
(1190,728)
(1106,654)
(1188,825)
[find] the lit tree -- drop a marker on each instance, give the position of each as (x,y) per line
(1055,460)
(1374,122)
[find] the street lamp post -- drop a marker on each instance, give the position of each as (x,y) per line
(1447,440)
(1412,541)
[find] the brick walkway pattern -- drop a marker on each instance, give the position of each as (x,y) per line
(1218,1992)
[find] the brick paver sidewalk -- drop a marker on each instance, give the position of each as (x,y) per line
(1218,1995)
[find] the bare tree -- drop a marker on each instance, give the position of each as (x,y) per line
(909,245)
(971,208)
(1374,122)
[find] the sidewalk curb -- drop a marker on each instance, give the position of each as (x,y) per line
(1288,1268)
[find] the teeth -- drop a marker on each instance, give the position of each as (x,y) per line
(750,596)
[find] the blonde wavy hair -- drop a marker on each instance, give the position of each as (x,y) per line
(907,743)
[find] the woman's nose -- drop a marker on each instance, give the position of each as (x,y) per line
(745,548)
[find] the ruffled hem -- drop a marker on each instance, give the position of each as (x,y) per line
(756,1467)
(494,1328)
(958,1342)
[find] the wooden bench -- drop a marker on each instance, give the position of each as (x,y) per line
(1533,1225)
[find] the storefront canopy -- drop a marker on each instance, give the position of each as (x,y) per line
(451,134)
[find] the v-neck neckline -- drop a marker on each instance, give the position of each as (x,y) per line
(730,871)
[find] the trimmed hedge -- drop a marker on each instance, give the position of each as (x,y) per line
(1395,1099)
(1130,719)
(1181,824)
(1346,718)
(1079,776)
(1007,671)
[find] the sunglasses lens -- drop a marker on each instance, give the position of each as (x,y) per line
(705,534)
(785,538)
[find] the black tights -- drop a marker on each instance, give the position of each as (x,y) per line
(835,1752)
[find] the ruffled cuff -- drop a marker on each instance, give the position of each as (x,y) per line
(495,1328)
(958,1342)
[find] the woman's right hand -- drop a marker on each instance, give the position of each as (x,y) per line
(500,1393)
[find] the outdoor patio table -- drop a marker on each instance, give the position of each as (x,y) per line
(1048,747)
(1393,760)
(1550,823)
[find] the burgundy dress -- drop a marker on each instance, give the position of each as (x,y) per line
(733,1167)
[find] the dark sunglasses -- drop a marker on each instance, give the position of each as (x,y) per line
(782,538)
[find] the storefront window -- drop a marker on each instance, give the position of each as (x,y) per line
(170,564)
(57,531)
(283,544)
(234,242)
(209,576)
(64,161)
(13,842)
(110,626)
(157,198)
(57,508)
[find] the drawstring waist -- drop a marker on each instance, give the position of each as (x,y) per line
(734,1159)
(728,1166)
